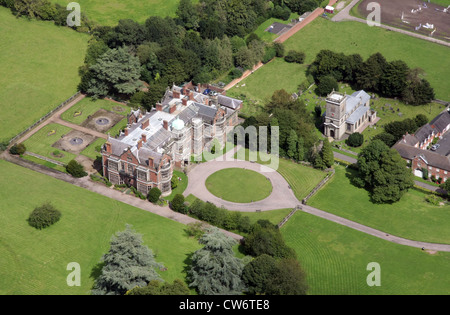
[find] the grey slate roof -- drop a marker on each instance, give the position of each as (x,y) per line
(356,99)
(441,121)
(357,114)
(431,158)
(229,102)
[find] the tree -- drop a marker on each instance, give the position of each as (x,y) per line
(154,194)
(257,274)
(295,56)
(266,240)
(157,287)
(187,15)
(44,216)
(383,172)
(177,204)
(292,144)
(327,153)
(446,186)
(75,169)
(355,140)
(326,85)
(128,264)
(116,71)
(215,269)
(18,149)
(288,279)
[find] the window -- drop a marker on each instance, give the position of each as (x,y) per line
(130,168)
(142,175)
(113,166)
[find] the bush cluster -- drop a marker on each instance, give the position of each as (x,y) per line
(44,216)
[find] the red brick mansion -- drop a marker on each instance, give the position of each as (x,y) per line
(186,121)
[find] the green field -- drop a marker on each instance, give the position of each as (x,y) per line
(335,259)
(34,261)
(239,185)
(78,113)
(258,88)
(301,178)
(412,217)
(41,142)
(354,37)
(109,13)
(39,64)
(91,150)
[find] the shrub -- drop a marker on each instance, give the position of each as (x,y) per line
(18,149)
(154,194)
(75,169)
(279,49)
(3,145)
(44,216)
(236,73)
(177,204)
(196,229)
(424,173)
(355,140)
(295,56)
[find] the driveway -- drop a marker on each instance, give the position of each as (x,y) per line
(280,198)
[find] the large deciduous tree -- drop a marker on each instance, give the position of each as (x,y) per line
(116,72)
(215,270)
(128,264)
(383,172)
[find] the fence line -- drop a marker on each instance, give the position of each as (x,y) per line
(323,182)
(283,222)
(45,117)
(44,158)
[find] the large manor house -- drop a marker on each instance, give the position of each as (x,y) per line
(186,122)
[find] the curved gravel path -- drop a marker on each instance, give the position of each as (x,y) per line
(281,196)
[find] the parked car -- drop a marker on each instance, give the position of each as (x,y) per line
(435,147)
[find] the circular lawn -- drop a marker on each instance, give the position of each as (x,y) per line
(239,185)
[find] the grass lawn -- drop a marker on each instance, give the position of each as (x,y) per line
(78,113)
(181,187)
(109,13)
(92,151)
(335,259)
(41,142)
(412,217)
(239,185)
(39,69)
(301,178)
(34,261)
(365,40)
(45,163)
(268,36)
(258,88)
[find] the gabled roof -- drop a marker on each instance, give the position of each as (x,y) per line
(429,157)
(441,121)
(229,102)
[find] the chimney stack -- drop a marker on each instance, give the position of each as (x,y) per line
(172,108)
(139,144)
(145,123)
(191,95)
(150,162)
(108,147)
(184,101)
(159,107)
(126,131)
(176,94)
(144,137)
(166,124)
